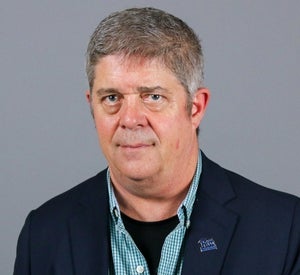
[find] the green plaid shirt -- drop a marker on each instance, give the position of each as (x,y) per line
(126,257)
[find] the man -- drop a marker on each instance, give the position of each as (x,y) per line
(161,207)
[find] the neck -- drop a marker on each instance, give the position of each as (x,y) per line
(156,198)
(150,209)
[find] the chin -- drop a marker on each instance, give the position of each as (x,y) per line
(139,174)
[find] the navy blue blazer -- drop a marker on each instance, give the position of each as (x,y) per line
(237,228)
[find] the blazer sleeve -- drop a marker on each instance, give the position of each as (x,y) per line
(22,262)
(292,266)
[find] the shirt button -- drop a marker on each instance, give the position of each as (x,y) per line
(140,269)
(116,213)
(188,224)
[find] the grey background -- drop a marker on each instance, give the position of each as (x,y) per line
(48,142)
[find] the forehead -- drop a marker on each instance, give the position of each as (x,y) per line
(119,67)
(131,62)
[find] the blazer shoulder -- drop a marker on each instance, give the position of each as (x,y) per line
(272,210)
(243,194)
(269,215)
(43,241)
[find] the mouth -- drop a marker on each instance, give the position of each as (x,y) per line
(135,146)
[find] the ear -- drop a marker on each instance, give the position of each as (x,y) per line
(88,96)
(199,104)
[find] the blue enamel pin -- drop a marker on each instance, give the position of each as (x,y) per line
(207,244)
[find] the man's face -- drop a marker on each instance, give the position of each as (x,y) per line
(141,118)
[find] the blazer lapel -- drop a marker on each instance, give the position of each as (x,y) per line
(89,230)
(212,224)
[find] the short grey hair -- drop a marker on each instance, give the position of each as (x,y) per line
(152,34)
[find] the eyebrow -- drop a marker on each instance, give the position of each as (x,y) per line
(151,89)
(103,91)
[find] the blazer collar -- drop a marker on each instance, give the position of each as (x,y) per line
(89,229)
(212,223)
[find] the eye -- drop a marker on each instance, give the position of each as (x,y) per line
(152,97)
(155,97)
(110,99)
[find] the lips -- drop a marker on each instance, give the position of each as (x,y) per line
(135,146)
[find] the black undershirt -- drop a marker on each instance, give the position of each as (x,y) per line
(149,237)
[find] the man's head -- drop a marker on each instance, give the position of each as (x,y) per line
(148,33)
(145,73)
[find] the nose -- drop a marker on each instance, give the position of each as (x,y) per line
(132,114)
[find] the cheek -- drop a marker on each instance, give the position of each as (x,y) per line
(104,127)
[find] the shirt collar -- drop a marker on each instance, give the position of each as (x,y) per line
(184,210)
